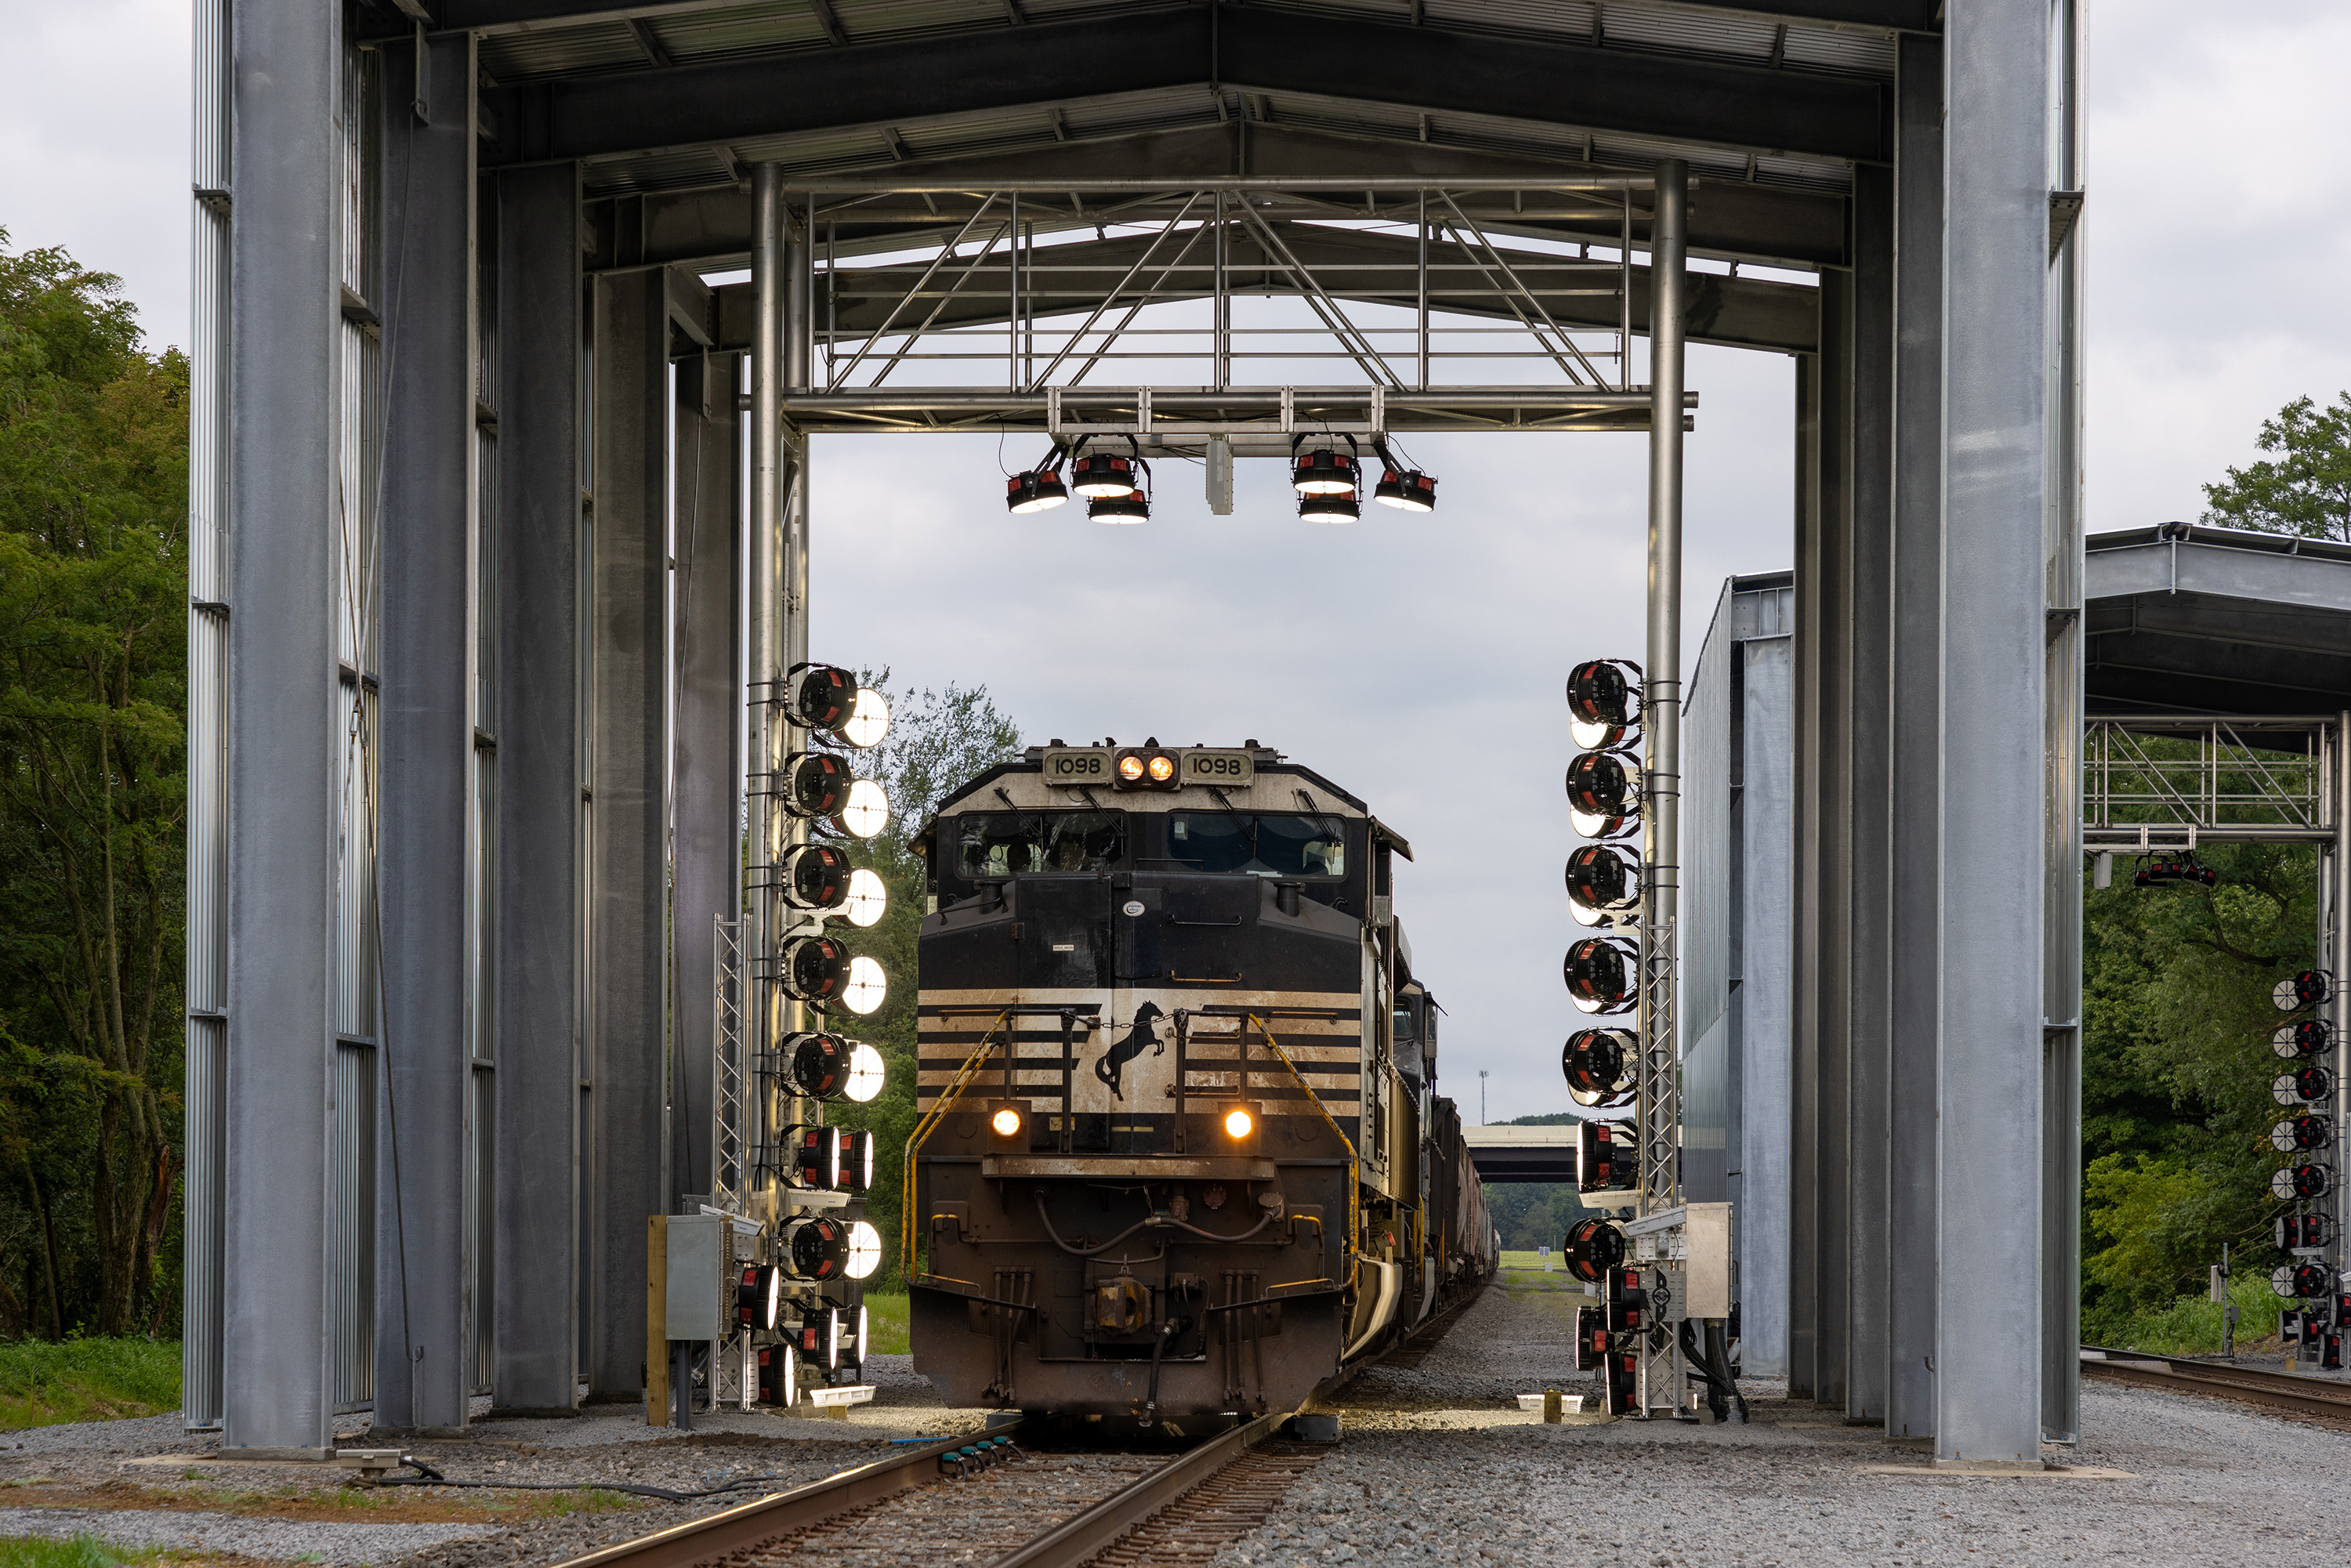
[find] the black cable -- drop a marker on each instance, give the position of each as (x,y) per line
(432,1477)
(1154,1221)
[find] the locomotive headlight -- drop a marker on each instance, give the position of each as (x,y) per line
(866,900)
(1130,768)
(866,987)
(1005,1122)
(1161,767)
(865,1073)
(1238,1123)
(867,811)
(865,1251)
(1147,769)
(869,720)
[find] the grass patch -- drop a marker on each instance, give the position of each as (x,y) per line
(85,1380)
(2191,1325)
(885,1320)
(89,1551)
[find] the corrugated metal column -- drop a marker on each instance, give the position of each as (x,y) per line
(286,720)
(541,556)
(1917,782)
(1804,902)
(1833,757)
(706,783)
(1995,495)
(427,739)
(1869,691)
(2061,1104)
(629,944)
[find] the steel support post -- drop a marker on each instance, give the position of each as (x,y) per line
(628,898)
(1832,735)
(768,651)
(707,770)
(1869,691)
(2061,964)
(1805,903)
(1917,782)
(1990,1267)
(423,1340)
(541,558)
(287,718)
(1661,701)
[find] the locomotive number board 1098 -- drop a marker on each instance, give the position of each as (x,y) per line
(1073,765)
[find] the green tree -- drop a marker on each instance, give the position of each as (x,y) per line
(93,624)
(2306,489)
(937,741)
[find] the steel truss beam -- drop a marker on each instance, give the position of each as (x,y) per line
(1225,46)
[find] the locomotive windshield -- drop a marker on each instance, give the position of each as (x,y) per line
(1267,844)
(1007,844)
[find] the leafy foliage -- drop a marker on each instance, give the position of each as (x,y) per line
(937,740)
(93,626)
(2306,489)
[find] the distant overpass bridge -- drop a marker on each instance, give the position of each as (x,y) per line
(1522,1154)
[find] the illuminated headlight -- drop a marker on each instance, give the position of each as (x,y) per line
(1161,767)
(865,1073)
(1603,692)
(866,812)
(1130,768)
(1324,473)
(865,1250)
(814,876)
(1099,473)
(816,1156)
(1408,489)
(757,1292)
(866,987)
(1147,769)
(1034,491)
(1005,1122)
(1598,1064)
(867,899)
(1598,971)
(2299,1134)
(869,720)
(1238,1123)
(857,1161)
(1601,880)
(828,697)
(1333,507)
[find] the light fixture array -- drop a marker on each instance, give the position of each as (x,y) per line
(1117,488)
(2318,1310)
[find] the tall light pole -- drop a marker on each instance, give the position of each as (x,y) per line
(1481,1097)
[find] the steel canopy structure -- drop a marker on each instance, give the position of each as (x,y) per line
(483,465)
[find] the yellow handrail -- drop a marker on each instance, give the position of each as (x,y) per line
(1354,1175)
(963,1078)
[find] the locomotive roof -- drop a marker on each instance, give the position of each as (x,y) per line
(1020,785)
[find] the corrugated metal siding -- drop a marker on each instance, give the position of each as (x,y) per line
(482,1250)
(351,1193)
(1706,922)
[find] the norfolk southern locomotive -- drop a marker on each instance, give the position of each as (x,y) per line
(1180,1152)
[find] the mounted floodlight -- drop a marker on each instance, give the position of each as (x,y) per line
(2303,1038)
(1599,1064)
(1600,785)
(866,989)
(2299,1135)
(869,720)
(2303,1232)
(1599,972)
(817,784)
(865,813)
(827,698)
(863,1337)
(2306,989)
(1133,506)
(1606,692)
(1339,507)
(865,1073)
(815,1247)
(867,899)
(1034,490)
(2300,1280)
(1238,1123)
(815,1157)
(2303,1086)
(1590,1249)
(865,1250)
(812,968)
(1323,472)
(808,1335)
(757,1291)
(2301,1183)
(813,876)
(1601,881)
(827,1067)
(1407,490)
(1603,736)
(1100,475)
(1145,768)
(857,1161)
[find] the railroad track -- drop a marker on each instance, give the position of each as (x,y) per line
(2287,1393)
(945,1502)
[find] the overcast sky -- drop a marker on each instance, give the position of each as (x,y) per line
(1418,663)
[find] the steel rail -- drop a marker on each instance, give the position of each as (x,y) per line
(1078,1539)
(2288,1391)
(702,1541)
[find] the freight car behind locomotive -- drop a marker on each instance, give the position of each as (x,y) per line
(1181,1151)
